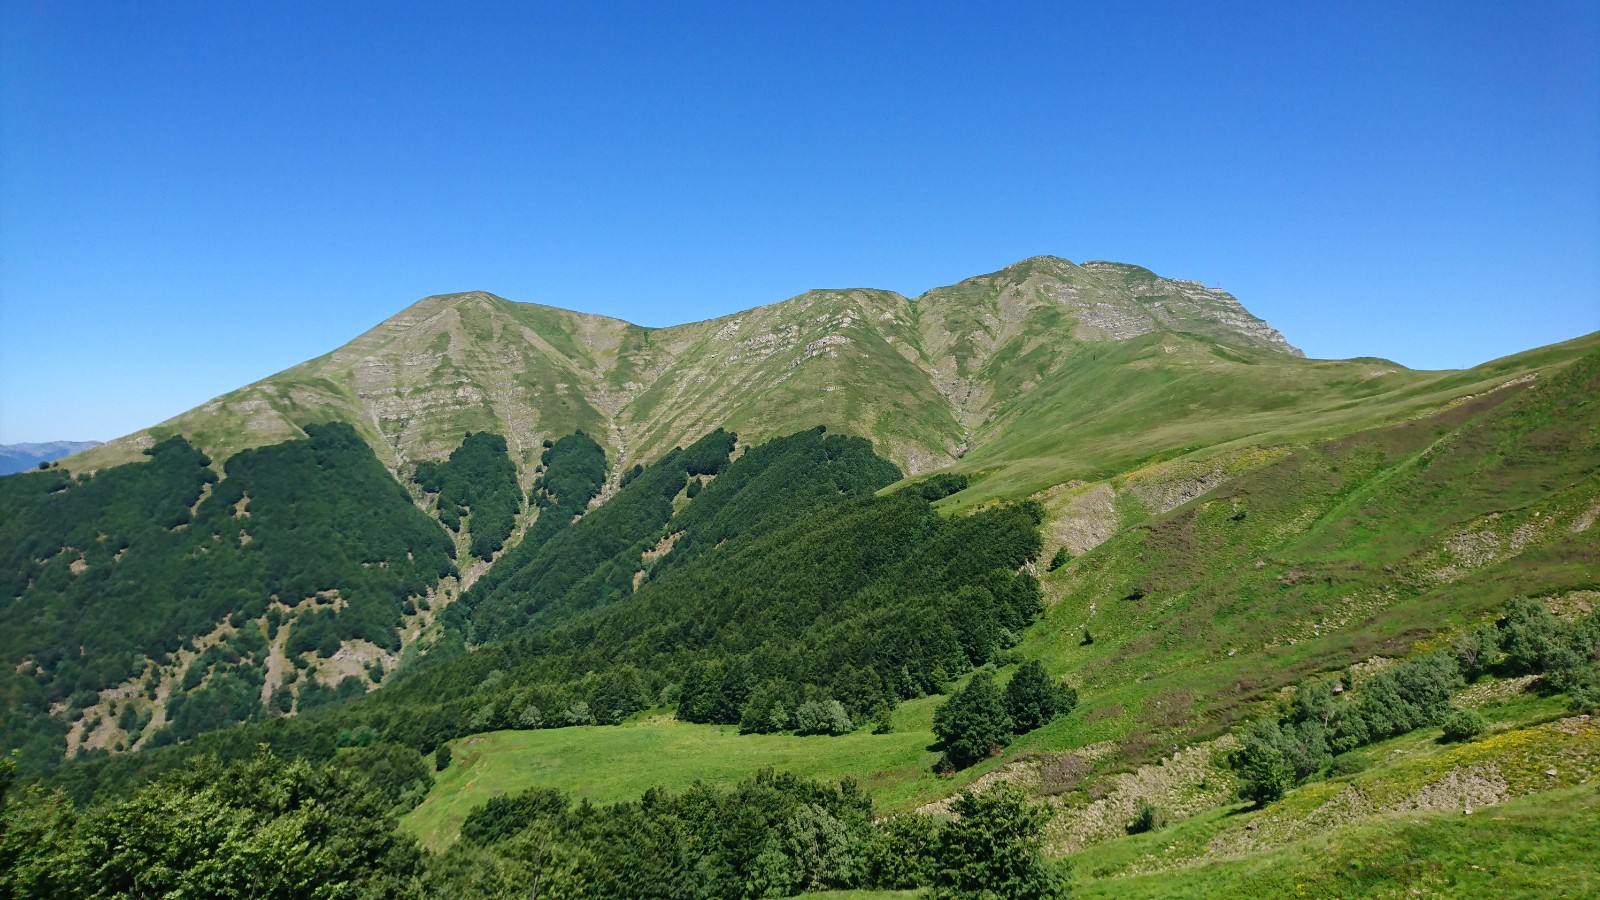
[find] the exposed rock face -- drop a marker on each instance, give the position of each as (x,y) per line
(925,378)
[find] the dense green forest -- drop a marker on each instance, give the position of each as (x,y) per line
(859,601)
(478,481)
(141,560)
(822,608)
(567,568)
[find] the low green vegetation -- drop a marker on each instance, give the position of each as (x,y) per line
(612,764)
(1539,846)
(1303,739)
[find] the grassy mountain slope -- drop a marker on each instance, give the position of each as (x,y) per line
(926,379)
(1221,518)
(1323,557)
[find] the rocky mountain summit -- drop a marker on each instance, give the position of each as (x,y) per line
(928,378)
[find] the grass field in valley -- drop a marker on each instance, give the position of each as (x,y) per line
(610,764)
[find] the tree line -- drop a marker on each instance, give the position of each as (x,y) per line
(266,827)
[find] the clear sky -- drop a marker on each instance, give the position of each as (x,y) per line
(194,196)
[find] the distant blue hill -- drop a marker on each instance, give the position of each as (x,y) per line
(22,457)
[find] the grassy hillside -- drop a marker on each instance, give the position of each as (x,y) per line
(531,525)
(1292,560)
(1540,846)
(611,765)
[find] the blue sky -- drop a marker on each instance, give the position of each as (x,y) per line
(194,196)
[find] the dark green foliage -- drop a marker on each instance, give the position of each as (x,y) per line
(992,850)
(295,520)
(441,758)
(973,724)
(769,836)
(769,709)
(503,817)
(313,693)
(479,482)
(399,775)
(853,599)
(574,472)
(1409,696)
(864,600)
(588,562)
(1061,558)
(1462,725)
(1476,651)
(902,852)
(1279,753)
(772,835)
(939,486)
(1147,817)
(770,484)
(1567,654)
(261,827)
(1346,764)
(232,694)
(1032,699)
(1535,642)
(1265,771)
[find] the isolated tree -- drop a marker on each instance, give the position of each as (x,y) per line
(1462,725)
(1034,699)
(1265,772)
(973,723)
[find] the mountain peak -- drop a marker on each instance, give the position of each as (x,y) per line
(926,376)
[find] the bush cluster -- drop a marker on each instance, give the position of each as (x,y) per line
(981,719)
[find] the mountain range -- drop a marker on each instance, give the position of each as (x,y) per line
(22,457)
(533,534)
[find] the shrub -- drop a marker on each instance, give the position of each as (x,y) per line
(1462,725)
(1346,764)
(441,758)
(1147,817)
(900,855)
(821,717)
